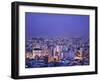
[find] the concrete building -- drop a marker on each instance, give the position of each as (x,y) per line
(36,51)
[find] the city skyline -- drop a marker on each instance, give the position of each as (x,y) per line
(56,25)
(40,52)
(53,40)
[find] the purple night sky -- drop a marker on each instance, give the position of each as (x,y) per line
(56,25)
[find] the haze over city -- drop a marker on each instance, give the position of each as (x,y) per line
(56,25)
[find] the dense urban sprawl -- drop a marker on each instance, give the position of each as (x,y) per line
(43,52)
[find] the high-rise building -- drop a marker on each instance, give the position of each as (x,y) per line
(36,52)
